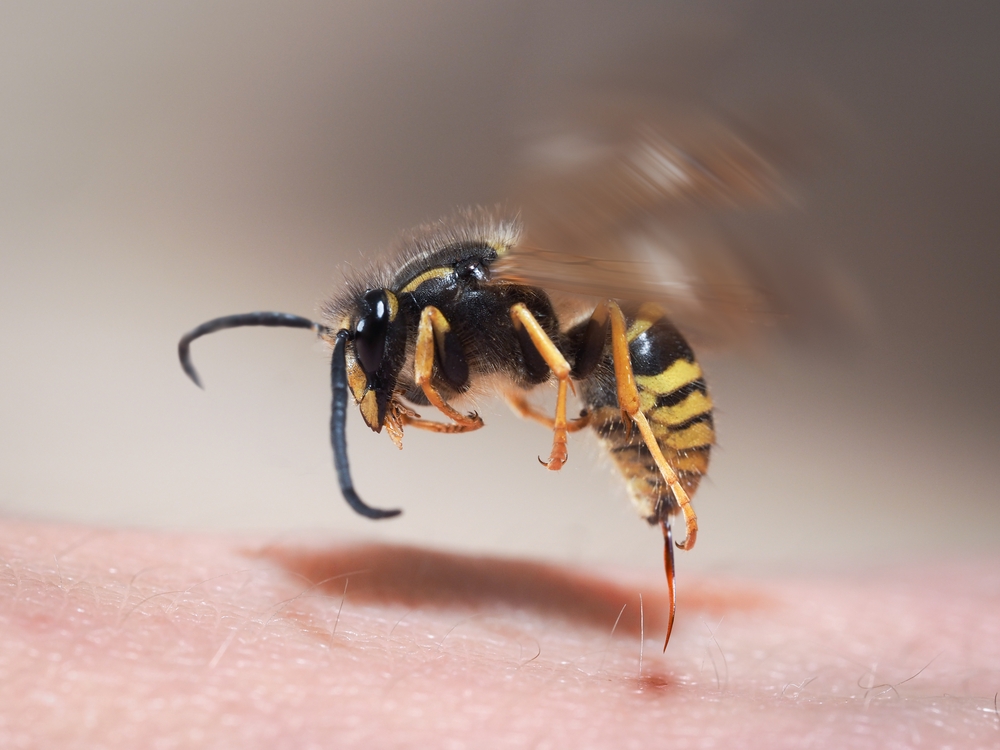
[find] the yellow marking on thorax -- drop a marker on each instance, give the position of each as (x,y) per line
(434,273)
(678,375)
(647,316)
(695,404)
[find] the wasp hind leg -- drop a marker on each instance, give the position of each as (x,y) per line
(524,322)
(519,403)
(434,334)
(628,401)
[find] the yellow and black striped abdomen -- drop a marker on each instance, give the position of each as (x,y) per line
(675,400)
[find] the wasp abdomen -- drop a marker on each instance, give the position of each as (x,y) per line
(675,401)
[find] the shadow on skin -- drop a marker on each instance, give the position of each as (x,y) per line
(413,576)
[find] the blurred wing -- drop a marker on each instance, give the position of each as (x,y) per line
(599,168)
(623,200)
(708,296)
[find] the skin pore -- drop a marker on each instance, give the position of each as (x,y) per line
(120,638)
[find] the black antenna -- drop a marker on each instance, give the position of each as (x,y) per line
(338,420)
(338,433)
(270,319)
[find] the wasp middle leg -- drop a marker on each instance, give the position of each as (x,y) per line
(525,322)
(434,333)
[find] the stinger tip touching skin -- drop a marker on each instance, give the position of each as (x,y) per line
(668,565)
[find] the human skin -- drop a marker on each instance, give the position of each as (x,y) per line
(119,638)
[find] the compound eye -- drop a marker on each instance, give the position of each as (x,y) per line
(370,331)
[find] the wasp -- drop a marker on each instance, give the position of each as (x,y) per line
(477,304)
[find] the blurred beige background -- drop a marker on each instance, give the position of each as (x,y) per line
(166,163)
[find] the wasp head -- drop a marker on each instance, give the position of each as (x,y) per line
(368,354)
(375,354)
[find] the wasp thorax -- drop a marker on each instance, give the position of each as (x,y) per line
(371,329)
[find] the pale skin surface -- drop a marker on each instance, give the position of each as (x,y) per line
(125,639)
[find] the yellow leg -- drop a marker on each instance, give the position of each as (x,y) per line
(431,426)
(433,327)
(523,318)
(524,409)
(628,401)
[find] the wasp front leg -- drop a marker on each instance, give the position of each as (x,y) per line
(628,402)
(434,334)
(525,322)
(449,428)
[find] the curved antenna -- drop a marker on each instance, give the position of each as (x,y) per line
(270,319)
(338,433)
